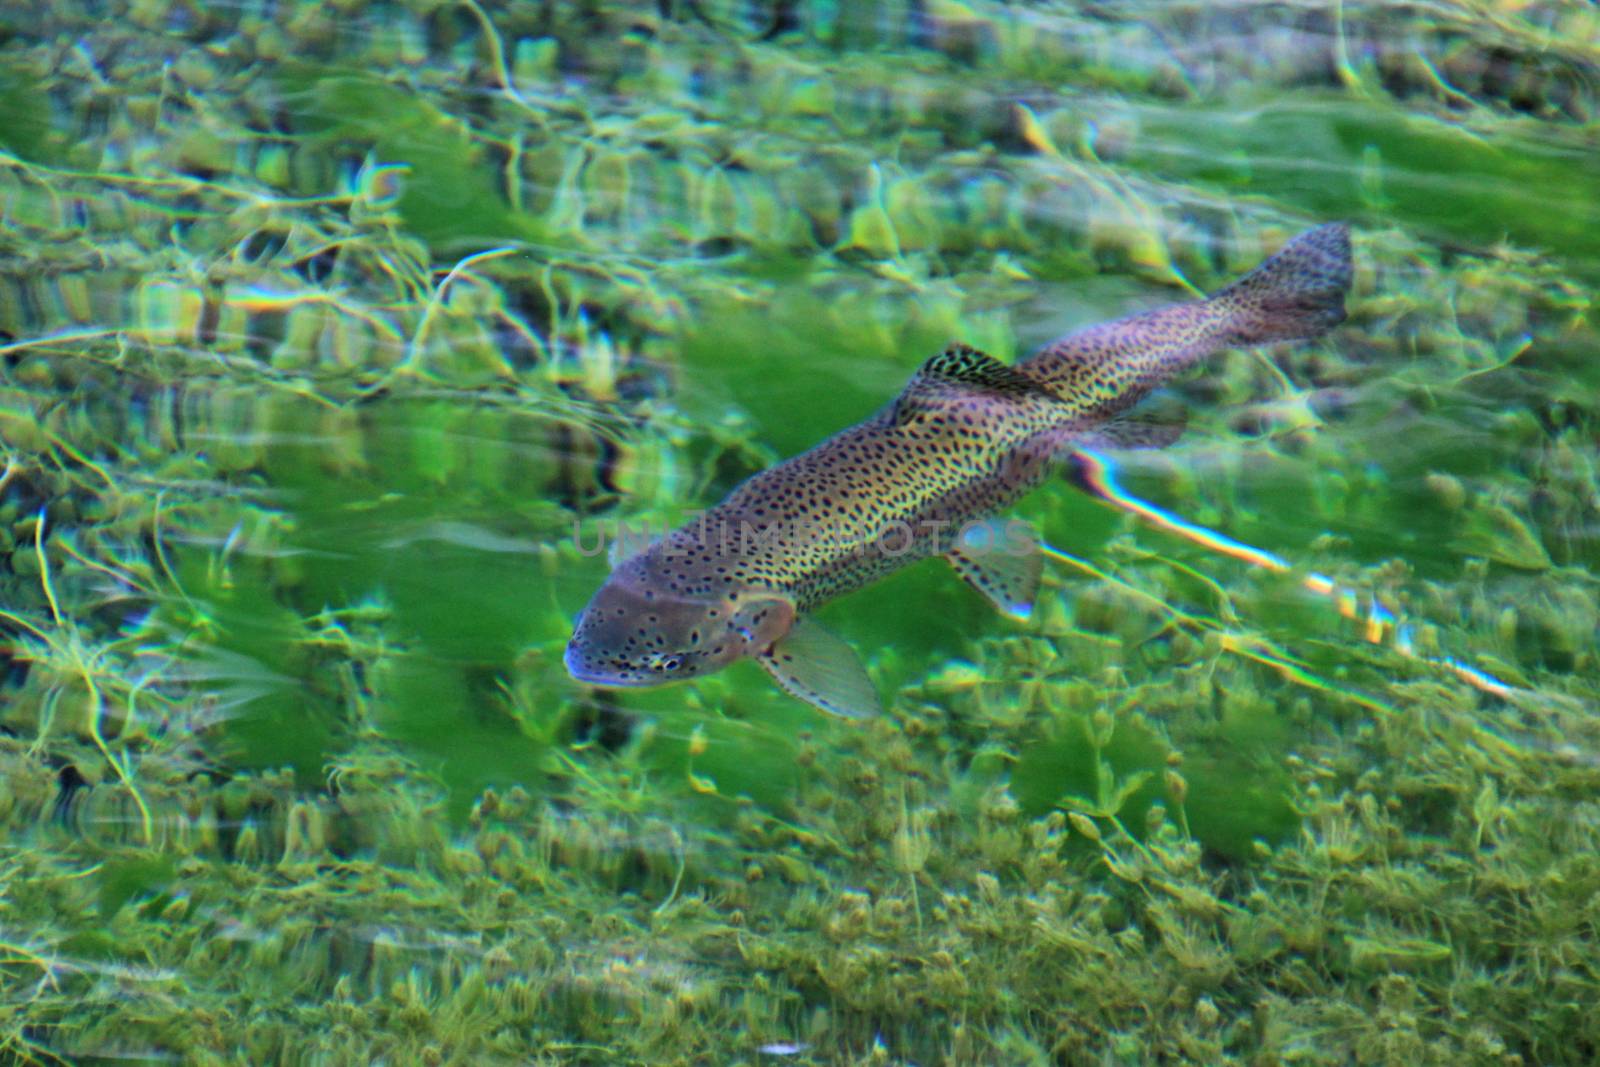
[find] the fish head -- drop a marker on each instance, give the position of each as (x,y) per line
(636,632)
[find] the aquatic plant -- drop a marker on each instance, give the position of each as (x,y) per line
(323,326)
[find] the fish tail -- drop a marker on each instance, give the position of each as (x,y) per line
(1294,295)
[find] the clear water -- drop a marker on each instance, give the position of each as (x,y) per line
(333,334)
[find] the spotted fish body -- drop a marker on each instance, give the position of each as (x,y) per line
(925,476)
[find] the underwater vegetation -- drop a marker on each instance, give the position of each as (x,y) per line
(332,334)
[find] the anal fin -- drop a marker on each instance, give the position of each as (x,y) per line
(1000,558)
(811,663)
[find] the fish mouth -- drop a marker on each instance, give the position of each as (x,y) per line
(589,674)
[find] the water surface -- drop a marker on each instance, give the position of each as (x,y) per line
(333,334)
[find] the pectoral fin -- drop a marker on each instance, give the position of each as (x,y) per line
(1000,558)
(814,665)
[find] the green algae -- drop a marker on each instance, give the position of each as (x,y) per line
(447,194)
(290,769)
(27,130)
(1437,175)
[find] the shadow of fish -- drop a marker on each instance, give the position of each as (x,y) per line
(926,476)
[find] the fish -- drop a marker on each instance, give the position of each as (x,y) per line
(930,474)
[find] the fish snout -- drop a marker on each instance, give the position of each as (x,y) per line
(579,664)
(592,670)
(598,652)
(632,634)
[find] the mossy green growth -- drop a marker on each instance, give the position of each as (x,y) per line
(455,722)
(1095,765)
(1438,175)
(275,685)
(448,192)
(123,880)
(1237,790)
(291,769)
(25,126)
(1229,795)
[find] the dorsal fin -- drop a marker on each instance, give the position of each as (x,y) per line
(961,370)
(964,365)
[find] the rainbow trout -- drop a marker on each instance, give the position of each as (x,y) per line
(926,476)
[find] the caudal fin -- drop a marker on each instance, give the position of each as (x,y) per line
(1296,294)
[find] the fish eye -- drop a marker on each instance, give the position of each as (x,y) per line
(665,661)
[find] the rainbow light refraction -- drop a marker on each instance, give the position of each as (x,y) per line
(1096,474)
